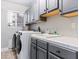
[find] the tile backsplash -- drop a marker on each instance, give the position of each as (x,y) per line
(64,26)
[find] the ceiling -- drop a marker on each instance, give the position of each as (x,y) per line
(22,2)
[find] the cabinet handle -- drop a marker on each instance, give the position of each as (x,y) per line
(33,19)
(34,47)
(58,51)
(44,10)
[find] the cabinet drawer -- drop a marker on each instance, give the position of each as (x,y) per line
(33,40)
(42,44)
(62,52)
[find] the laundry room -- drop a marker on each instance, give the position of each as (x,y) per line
(39,29)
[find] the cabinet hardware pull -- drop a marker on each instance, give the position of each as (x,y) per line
(58,51)
(34,47)
(44,10)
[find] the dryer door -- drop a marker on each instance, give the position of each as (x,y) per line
(18,44)
(14,41)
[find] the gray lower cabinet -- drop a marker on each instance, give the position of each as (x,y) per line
(41,53)
(33,51)
(42,50)
(52,56)
(64,53)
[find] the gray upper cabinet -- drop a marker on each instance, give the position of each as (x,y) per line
(49,8)
(60,5)
(41,53)
(52,4)
(32,14)
(36,10)
(28,16)
(25,18)
(42,6)
(69,5)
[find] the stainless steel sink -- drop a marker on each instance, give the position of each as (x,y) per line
(48,35)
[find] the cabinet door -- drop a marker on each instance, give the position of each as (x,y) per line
(42,6)
(41,53)
(25,18)
(36,10)
(52,4)
(33,51)
(28,16)
(20,20)
(69,5)
(31,14)
(52,56)
(60,5)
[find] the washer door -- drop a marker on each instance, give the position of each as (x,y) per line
(14,41)
(18,44)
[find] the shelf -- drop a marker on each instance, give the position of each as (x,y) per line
(51,13)
(70,14)
(30,23)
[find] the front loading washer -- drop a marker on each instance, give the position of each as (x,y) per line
(23,42)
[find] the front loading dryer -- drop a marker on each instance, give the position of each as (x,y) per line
(23,42)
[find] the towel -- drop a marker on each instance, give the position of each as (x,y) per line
(18,44)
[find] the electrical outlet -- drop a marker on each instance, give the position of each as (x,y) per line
(73,25)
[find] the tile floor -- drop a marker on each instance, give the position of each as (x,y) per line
(10,54)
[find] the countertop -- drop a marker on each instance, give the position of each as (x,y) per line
(68,42)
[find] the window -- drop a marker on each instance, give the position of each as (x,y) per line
(11,18)
(15,18)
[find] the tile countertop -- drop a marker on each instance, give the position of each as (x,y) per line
(68,42)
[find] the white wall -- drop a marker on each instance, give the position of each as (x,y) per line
(7,32)
(64,26)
